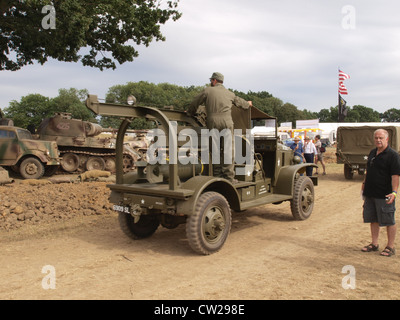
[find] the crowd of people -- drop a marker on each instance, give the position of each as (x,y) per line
(309,152)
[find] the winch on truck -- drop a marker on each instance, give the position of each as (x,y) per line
(173,190)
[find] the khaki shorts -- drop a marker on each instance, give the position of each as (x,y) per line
(377,210)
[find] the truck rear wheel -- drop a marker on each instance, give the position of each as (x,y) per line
(31,168)
(302,203)
(209,226)
(348,172)
(144,228)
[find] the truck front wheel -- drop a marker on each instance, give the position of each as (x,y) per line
(31,168)
(348,172)
(209,226)
(144,228)
(302,202)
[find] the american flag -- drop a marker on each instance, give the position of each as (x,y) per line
(343,76)
(342,88)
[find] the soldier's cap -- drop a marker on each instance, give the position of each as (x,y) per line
(217,76)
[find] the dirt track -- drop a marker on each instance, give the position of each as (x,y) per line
(266,256)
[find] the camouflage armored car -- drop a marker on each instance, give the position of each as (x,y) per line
(171,191)
(21,153)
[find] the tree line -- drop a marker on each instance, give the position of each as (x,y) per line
(33,108)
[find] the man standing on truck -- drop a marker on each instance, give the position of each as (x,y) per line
(380,191)
(218,102)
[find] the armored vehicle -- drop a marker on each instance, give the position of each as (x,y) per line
(5,121)
(83,147)
(169,190)
(21,153)
(355,143)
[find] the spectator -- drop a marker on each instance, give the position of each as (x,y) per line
(297,147)
(320,155)
(380,190)
(309,154)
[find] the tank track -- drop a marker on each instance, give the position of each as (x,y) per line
(78,164)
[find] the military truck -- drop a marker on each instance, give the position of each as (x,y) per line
(355,143)
(22,154)
(170,191)
(82,146)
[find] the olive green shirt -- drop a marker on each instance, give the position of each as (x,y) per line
(218,101)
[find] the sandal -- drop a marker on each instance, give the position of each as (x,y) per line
(388,252)
(370,247)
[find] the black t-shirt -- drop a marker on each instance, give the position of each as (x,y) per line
(380,169)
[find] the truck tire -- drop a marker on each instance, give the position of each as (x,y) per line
(348,172)
(209,226)
(144,228)
(31,168)
(302,202)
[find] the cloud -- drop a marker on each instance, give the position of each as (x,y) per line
(291,49)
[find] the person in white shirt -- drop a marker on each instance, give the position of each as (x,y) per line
(309,154)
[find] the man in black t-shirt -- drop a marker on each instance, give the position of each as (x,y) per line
(380,190)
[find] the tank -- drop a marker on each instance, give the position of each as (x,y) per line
(5,121)
(84,146)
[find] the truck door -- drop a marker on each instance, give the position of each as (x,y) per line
(9,148)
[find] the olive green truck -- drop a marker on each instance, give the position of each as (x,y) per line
(173,191)
(355,143)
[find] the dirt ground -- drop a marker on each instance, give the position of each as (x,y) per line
(268,255)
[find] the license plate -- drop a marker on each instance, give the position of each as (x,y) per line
(123,209)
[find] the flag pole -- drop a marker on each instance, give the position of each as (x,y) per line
(339,111)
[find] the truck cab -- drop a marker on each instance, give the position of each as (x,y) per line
(26,156)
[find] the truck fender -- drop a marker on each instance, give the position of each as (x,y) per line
(285,180)
(34,154)
(200,184)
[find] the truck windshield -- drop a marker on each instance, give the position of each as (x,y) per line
(24,134)
(266,128)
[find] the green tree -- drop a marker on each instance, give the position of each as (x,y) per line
(72,101)
(289,112)
(310,114)
(360,113)
(149,94)
(29,111)
(100,26)
(328,115)
(154,95)
(391,115)
(33,108)
(262,100)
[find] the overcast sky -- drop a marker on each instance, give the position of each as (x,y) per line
(290,48)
